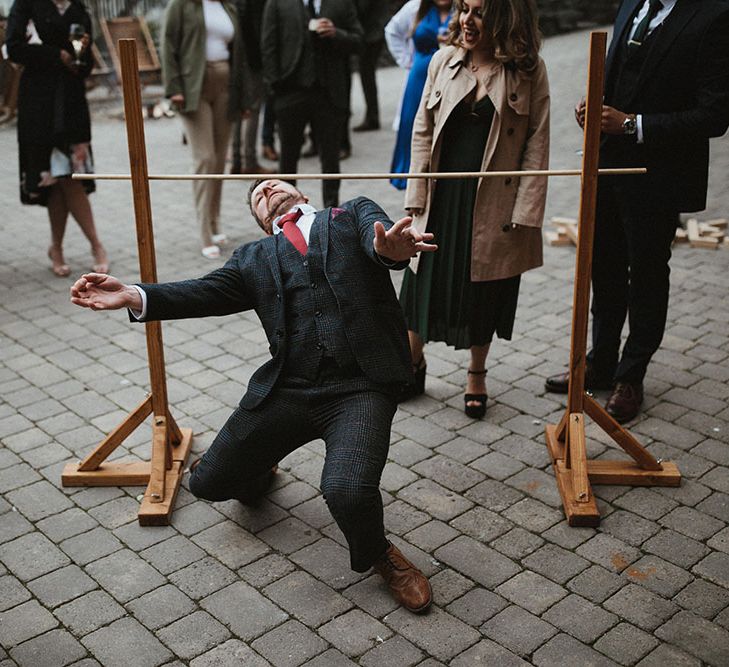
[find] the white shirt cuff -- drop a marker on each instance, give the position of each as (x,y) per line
(639,128)
(139,315)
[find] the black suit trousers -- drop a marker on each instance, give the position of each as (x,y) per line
(368,56)
(296,109)
(630,277)
(352,416)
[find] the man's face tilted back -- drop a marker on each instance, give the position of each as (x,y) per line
(272,198)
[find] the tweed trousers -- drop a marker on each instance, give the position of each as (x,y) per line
(353,416)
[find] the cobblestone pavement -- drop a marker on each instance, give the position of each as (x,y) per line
(474,503)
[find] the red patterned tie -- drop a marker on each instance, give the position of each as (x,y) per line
(287,224)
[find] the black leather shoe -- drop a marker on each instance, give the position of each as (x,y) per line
(560,383)
(366,126)
(625,401)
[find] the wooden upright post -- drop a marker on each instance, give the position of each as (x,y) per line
(170,444)
(566,441)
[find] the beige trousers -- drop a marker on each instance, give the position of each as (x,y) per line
(208,133)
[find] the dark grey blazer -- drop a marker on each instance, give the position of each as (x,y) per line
(683,96)
(251,279)
(282,37)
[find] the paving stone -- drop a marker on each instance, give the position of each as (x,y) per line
(422,431)
(327,561)
(437,633)
(596,583)
(406,453)
(715,567)
(13,525)
(293,494)
(289,535)
(260,614)
(533,515)
(497,466)
(482,564)
(195,517)
(126,642)
(703,598)
(89,612)
(657,575)
(448,473)
(31,556)
(232,653)
(566,536)
(439,502)
(172,554)
(194,634)
(692,523)
(371,595)
(555,563)
(641,607)
(717,505)
(90,546)
(531,591)
(482,524)
(517,543)
(116,512)
(400,517)
(698,637)
(66,524)
(12,592)
(518,630)
(554,653)
(61,585)
(537,484)
(665,654)
(161,607)
(17,476)
(315,512)
(487,652)
(431,535)
(676,548)
(24,622)
(626,644)
(720,541)
(323,603)
(580,618)
(448,585)
(53,649)
(646,503)
(331,658)
(465,450)
(394,651)
(629,527)
(125,575)
(609,552)
(494,495)
(138,537)
(202,578)
(354,632)
(477,606)
(717,479)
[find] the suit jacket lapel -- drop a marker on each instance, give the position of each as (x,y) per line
(272,256)
(622,22)
(321,220)
(675,22)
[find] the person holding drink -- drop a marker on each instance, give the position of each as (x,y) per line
(485,107)
(51,39)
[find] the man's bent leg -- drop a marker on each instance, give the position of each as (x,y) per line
(238,463)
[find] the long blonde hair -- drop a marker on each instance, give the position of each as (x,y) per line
(514,31)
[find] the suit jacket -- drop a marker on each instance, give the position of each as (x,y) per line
(285,27)
(683,96)
(251,280)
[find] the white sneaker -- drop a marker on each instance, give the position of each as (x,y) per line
(211,252)
(220,239)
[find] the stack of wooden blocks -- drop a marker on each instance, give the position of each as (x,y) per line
(709,234)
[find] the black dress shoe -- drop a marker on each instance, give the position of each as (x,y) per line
(625,401)
(366,126)
(560,383)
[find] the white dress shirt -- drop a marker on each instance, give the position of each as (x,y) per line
(304,223)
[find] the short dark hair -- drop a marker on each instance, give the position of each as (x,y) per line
(254,185)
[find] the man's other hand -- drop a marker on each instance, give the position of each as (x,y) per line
(402,241)
(99,291)
(326,28)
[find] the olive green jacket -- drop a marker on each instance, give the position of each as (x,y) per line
(183,56)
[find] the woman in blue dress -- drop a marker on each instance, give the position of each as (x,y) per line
(430,28)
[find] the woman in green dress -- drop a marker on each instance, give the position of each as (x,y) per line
(485,107)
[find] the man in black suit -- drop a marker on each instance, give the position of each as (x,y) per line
(666,94)
(339,355)
(306,45)
(373,16)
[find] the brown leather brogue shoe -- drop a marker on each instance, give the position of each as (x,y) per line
(625,401)
(408,585)
(560,383)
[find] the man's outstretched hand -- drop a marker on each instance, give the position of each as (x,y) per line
(402,241)
(99,291)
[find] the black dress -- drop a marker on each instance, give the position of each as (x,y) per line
(53,116)
(440,302)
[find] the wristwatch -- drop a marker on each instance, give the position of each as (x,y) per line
(629,125)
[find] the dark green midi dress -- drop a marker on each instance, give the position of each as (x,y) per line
(440,302)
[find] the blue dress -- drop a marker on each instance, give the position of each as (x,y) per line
(425,40)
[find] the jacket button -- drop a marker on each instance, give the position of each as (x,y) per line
(508,180)
(305,263)
(437,93)
(510,131)
(278,296)
(506,227)
(513,97)
(319,346)
(313,285)
(317,313)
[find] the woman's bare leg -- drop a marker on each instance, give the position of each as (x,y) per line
(416,347)
(79,206)
(476,382)
(58,216)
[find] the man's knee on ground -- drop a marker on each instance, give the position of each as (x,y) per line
(349,498)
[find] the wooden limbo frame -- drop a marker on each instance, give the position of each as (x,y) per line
(566,441)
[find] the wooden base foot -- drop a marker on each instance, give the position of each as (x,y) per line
(117,473)
(627,472)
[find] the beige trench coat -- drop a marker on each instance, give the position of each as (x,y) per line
(508,214)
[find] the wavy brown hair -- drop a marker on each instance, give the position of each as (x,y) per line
(513,28)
